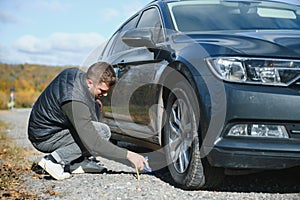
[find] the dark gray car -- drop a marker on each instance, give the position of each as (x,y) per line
(214,84)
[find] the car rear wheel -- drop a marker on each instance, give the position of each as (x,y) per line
(182,146)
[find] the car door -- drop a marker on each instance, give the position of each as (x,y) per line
(133,100)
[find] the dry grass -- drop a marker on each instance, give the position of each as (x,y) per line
(13,164)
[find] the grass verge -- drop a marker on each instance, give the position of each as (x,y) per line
(13,164)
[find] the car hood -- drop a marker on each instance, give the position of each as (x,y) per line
(260,43)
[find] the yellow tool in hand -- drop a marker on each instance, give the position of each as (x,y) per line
(137,173)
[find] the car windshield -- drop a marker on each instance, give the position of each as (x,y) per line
(220,15)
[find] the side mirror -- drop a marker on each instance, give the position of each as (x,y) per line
(139,38)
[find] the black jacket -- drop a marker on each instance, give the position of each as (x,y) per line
(47,117)
(67,104)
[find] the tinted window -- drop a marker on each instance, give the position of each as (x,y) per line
(233,15)
(108,46)
(119,44)
(151,19)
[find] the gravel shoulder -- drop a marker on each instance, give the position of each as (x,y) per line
(120,181)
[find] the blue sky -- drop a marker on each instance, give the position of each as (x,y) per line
(59,32)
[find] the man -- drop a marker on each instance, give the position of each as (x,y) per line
(64,123)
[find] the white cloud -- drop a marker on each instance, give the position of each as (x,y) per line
(31,44)
(75,42)
(57,49)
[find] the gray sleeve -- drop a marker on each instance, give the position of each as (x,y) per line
(80,117)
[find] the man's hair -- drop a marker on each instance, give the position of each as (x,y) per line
(102,72)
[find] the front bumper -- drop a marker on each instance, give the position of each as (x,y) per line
(245,153)
(264,105)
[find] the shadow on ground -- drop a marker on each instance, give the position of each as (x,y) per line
(271,181)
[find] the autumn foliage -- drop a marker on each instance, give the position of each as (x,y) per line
(27,80)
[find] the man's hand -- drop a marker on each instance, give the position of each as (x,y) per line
(137,160)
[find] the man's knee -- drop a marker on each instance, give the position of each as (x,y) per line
(106,131)
(102,129)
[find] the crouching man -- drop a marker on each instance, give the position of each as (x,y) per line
(64,123)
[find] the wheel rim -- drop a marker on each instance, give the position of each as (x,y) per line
(181,135)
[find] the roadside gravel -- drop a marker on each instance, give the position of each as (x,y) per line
(120,181)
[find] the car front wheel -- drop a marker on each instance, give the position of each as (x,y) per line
(182,146)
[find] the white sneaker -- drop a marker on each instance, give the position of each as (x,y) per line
(56,170)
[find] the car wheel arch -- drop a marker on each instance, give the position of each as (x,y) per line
(192,177)
(181,70)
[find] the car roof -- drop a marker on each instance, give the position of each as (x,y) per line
(282,1)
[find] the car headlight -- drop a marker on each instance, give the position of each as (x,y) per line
(255,70)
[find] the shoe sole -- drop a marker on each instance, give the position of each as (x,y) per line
(79,170)
(43,165)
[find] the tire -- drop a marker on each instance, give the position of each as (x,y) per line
(181,140)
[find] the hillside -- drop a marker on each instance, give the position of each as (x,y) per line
(27,81)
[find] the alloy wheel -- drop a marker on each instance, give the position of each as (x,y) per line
(181,135)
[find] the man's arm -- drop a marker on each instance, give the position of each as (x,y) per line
(80,116)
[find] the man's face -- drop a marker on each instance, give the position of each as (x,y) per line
(98,90)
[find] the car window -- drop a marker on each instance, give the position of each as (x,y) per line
(151,19)
(216,15)
(119,44)
(108,46)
